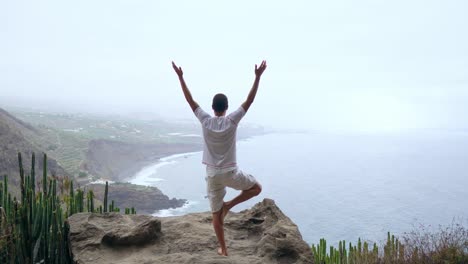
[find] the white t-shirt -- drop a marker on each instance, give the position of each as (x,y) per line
(219,136)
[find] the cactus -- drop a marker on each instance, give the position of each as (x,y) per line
(44,174)
(34,229)
(90,201)
(71,200)
(33,175)
(105,197)
(353,255)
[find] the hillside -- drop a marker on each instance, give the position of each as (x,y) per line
(19,136)
(14,135)
(67,136)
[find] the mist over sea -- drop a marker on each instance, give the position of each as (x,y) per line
(339,185)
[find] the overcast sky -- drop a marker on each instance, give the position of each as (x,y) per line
(359,65)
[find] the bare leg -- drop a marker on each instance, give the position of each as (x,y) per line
(242,197)
(219,230)
(218,217)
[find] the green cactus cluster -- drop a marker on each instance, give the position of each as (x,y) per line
(35,229)
(130,210)
(394,251)
(359,254)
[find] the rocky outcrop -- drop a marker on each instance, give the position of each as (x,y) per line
(262,234)
(145,199)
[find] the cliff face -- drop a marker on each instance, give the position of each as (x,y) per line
(262,234)
(118,160)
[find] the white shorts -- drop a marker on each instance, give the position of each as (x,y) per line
(216,186)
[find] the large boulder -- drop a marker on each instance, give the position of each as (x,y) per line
(262,234)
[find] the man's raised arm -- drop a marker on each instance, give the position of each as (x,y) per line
(187,94)
(253,92)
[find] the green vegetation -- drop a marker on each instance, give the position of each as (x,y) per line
(448,245)
(34,229)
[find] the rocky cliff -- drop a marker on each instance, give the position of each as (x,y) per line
(145,199)
(262,234)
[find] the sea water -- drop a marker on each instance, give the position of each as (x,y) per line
(338,185)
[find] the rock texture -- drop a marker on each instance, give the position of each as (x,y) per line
(262,234)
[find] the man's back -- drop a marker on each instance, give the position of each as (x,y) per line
(219,136)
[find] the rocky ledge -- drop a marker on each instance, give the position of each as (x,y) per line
(262,234)
(145,199)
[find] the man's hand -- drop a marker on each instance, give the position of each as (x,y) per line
(179,71)
(187,94)
(258,71)
(253,92)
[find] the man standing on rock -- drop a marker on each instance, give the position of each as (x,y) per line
(219,153)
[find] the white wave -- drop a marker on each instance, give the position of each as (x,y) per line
(155,180)
(180,155)
(190,135)
(146,176)
(101,181)
(183,135)
(175,211)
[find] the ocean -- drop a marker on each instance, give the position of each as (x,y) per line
(338,186)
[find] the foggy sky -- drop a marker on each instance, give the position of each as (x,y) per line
(357,65)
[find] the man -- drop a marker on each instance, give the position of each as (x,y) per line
(219,153)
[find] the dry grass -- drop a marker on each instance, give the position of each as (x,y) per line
(447,244)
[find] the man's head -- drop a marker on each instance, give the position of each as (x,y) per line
(220,104)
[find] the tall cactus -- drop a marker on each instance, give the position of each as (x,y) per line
(33,174)
(106,191)
(90,201)
(44,174)
(5,191)
(21,171)
(71,200)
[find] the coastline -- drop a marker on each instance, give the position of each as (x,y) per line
(147,175)
(119,161)
(140,177)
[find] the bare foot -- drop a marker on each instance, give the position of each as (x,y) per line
(220,252)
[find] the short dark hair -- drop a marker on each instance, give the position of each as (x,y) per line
(220,103)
